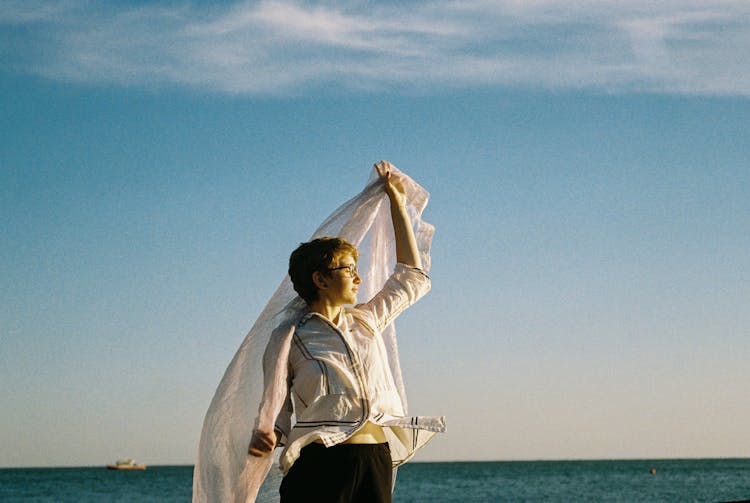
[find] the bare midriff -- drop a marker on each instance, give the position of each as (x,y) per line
(370,433)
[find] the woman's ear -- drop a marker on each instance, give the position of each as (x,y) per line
(319,280)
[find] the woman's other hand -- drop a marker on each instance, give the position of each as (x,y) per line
(262,443)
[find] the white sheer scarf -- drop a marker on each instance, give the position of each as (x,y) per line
(224,472)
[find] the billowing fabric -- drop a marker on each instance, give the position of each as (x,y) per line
(224,472)
(340,377)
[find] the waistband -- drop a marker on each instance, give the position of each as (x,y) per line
(360,448)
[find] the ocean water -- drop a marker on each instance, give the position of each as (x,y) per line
(693,480)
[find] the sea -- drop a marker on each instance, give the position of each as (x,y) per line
(673,480)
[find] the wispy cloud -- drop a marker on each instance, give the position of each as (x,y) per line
(281,46)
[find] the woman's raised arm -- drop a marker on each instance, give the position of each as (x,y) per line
(407,252)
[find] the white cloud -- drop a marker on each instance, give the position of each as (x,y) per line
(277,46)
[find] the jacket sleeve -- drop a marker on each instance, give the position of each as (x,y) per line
(283,424)
(402,289)
(275,411)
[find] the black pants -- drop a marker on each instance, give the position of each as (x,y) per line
(344,473)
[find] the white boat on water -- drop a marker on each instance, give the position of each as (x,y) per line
(126,464)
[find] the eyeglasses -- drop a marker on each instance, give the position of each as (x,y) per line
(351,270)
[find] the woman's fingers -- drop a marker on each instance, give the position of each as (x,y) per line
(261,444)
(384,168)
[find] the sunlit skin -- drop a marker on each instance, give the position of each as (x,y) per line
(336,289)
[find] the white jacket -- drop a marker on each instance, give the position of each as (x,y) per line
(339,377)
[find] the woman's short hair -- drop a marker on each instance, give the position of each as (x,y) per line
(315,255)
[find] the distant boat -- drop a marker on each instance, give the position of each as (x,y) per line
(126,464)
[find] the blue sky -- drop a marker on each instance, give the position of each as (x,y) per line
(588,165)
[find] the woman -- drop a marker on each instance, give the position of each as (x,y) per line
(344,395)
(332,365)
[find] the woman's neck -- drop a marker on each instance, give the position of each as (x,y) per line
(330,311)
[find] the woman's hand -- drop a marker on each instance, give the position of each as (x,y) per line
(392,182)
(262,443)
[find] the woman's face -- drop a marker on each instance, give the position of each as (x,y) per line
(343,281)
